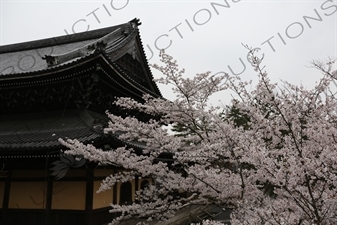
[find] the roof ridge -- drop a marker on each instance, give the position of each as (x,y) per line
(64,39)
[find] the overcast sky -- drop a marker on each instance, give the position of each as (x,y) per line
(201,35)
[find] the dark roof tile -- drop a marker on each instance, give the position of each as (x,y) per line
(29,56)
(42,130)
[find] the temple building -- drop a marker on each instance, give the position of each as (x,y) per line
(60,88)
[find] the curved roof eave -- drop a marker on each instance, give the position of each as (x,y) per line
(129,80)
(139,40)
(51,70)
(81,62)
(117,46)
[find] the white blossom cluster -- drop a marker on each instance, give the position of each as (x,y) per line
(271,156)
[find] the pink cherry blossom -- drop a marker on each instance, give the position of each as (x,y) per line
(279,166)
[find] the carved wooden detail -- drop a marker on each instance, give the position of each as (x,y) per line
(82,92)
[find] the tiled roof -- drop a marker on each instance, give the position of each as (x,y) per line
(24,65)
(32,59)
(29,56)
(42,130)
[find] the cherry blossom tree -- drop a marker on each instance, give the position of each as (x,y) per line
(270,156)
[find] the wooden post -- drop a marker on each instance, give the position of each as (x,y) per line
(89,198)
(49,194)
(4,211)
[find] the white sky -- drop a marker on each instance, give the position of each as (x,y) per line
(212,45)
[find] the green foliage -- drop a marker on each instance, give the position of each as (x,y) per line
(240,119)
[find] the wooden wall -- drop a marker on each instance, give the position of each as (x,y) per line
(37,197)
